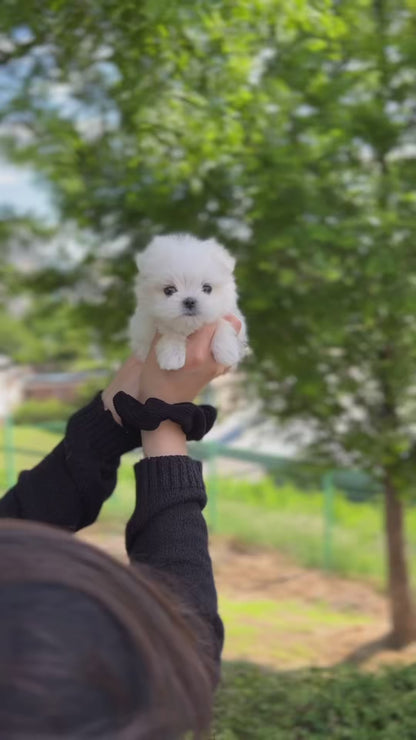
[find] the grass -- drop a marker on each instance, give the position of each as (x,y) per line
(284,632)
(260,513)
(357,549)
(340,704)
(34,443)
(290,521)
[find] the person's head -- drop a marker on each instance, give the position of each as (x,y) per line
(90,647)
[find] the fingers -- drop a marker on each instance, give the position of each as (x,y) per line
(198,348)
(131,366)
(234,321)
(203,337)
(127,379)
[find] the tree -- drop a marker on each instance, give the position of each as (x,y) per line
(284,129)
(39,321)
(345,268)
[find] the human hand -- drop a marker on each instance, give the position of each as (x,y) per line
(177,386)
(127,379)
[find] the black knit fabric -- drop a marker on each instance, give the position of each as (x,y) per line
(195,421)
(69,486)
(104,437)
(166,531)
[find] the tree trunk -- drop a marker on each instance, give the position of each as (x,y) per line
(402,610)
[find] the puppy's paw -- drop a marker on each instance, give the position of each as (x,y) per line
(228,356)
(227,348)
(171,353)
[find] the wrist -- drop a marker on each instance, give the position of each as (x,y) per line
(127,379)
(92,430)
(167,439)
(107,401)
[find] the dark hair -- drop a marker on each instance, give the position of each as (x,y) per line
(90,647)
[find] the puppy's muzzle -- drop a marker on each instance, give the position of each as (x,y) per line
(190,306)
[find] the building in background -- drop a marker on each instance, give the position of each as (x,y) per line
(12,385)
(64,386)
(19,383)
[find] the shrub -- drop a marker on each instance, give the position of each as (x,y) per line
(52,410)
(90,388)
(340,704)
(38,412)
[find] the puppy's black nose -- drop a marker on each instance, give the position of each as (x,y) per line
(189,303)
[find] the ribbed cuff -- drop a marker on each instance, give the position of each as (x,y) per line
(163,482)
(169,472)
(94,427)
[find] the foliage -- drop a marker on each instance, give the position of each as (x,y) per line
(282,128)
(47,410)
(90,388)
(38,321)
(255,704)
(15,338)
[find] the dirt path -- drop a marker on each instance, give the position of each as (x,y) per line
(280,614)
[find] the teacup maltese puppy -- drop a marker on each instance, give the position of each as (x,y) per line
(184,283)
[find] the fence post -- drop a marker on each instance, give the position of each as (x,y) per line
(328,486)
(209,396)
(9,461)
(213,489)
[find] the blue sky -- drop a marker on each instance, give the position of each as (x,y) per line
(20,190)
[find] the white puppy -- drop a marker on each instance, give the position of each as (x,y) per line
(184,283)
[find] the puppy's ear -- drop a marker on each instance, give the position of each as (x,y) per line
(226,260)
(143,258)
(140,261)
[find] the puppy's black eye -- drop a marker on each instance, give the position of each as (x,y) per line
(169,290)
(207,288)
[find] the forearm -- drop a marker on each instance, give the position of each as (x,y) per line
(167,439)
(68,487)
(47,493)
(168,532)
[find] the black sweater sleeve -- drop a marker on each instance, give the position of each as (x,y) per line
(168,532)
(68,487)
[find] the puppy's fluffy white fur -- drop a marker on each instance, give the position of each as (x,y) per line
(184,283)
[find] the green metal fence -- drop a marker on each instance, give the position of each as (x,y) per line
(354,483)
